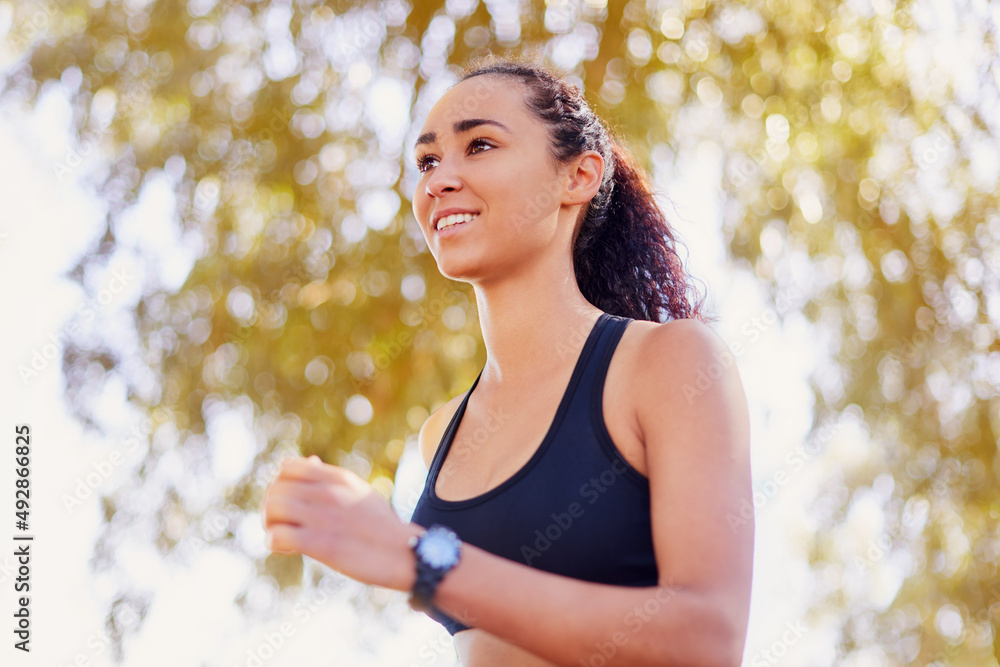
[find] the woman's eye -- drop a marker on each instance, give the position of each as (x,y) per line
(479,142)
(422,162)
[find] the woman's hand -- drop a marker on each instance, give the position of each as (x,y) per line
(329,513)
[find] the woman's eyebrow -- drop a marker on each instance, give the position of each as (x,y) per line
(463,126)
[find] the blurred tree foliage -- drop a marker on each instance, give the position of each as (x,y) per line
(860,180)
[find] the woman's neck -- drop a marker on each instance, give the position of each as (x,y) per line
(531,333)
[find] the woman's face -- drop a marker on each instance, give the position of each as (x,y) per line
(500,169)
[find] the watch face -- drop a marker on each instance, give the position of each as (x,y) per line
(437,549)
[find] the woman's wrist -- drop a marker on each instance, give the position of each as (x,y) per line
(407,559)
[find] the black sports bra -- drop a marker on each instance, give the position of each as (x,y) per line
(576,508)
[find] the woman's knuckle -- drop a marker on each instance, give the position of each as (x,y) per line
(329,495)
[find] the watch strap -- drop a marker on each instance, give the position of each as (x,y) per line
(424,587)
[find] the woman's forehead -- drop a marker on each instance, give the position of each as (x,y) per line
(470,102)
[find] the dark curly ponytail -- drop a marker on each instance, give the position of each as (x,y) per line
(624,253)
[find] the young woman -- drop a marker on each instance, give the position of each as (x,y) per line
(589,497)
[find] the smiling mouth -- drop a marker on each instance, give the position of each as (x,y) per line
(454,220)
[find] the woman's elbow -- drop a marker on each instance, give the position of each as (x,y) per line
(726,644)
(709,634)
(720,641)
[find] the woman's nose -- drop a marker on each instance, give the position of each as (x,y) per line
(443,179)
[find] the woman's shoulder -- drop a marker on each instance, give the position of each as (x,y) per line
(677,357)
(675,337)
(678,363)
(431,433)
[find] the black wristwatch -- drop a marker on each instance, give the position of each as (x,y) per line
(438,550)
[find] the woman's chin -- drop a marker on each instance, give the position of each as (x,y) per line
(461,271)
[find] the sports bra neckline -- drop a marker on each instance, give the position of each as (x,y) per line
(449,434)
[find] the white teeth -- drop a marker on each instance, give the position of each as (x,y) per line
(450,220)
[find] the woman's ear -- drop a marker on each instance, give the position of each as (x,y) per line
(585,174)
